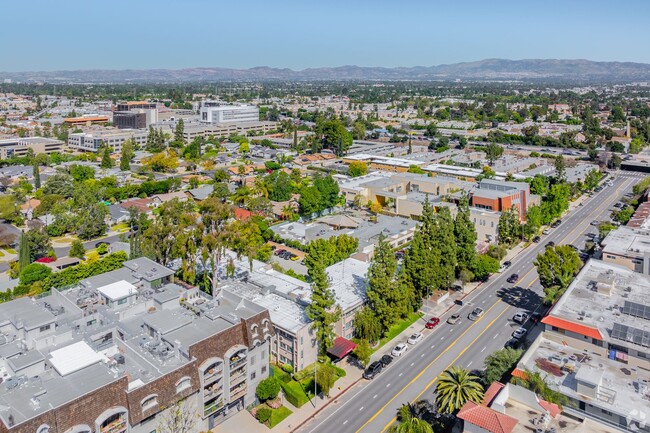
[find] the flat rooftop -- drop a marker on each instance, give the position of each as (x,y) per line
(627,241)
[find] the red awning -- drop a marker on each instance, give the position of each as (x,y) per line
(341,348)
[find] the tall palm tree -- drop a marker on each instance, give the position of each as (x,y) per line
(456,386)
(536,383)
(410,420)
(260,188)
(287,212)
(241,195)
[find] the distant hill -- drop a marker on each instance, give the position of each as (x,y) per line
(489,69)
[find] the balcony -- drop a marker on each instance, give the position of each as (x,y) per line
(237,378)
(211,392)
(212,407)
(237,363)
(117,426)
(237,394)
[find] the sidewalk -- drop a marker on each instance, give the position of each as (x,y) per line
(244,421)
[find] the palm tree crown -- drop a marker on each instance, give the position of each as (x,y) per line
(456,386)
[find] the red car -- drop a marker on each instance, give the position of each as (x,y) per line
(432,323)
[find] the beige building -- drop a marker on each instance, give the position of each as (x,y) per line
(629,247)
(18,147)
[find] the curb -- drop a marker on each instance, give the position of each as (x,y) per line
(309,418)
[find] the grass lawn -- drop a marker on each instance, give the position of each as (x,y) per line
(11,251)
(2,254)
(279,415)
(64,239)
(121,227)
(398,328)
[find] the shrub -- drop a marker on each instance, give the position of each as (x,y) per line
(287,368)
(102,249)
(263,414)
(34,272)
(294,393)
(268,389)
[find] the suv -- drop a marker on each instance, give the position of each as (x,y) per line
(520,317)
(373,370)
(475,314)
(453,319)
(513,278)
(385,360)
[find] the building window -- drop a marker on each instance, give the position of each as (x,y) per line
(183,384)
(264,370)
(253,359)
(149,402)
(43,429)
(253,376)
(122,301)
(45,328)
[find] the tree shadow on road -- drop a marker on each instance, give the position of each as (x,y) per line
(520,297)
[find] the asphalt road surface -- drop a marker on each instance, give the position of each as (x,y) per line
(371,406)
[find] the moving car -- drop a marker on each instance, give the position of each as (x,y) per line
(399,350)
(505,265)
(520,317)
(519,332)
(453,319)
(513,278)
(432,323)
(373,370)
(415,338)
(475,314)
(385,360)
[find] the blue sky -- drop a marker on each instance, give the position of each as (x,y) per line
(120,34)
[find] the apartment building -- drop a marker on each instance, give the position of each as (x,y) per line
(92,141)
(216,112)
(114,354)
(628,246)
(18,147)
(595,347)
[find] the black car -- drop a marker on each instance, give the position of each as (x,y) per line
(373,370)
(513,278)
(556,224)
(536,239)
(512,343)
(385,360)
(100,243)
(536,317)
(550,244)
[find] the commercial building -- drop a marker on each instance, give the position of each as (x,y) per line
(193,130)
(135,114)
(383,163)
(117,351)
(136,105)
(629,247)
(215,112)
(500,196)
(86,120)
(17,147)
(92,141)
(595,348)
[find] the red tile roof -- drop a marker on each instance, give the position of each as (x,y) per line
(552,408)
(492,392)
(487,418)
(519,373)
(242,214)
(573,327)
(341,347)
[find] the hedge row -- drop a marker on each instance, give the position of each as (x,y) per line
(294,393)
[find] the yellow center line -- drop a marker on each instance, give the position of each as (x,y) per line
(423,371)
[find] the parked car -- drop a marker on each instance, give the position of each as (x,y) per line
(550,244)
(536,239)
(415,338)
(547,231)
(556,224)
(453,319)
(595,223)
(513,278)
(432,323)
(373,370)
(513,343)
(536,317)
(399,350)
(475,314)
(519,332)
(294,257)
(385,360)
(520,317)
(279,251)
(505,265)
(399,255)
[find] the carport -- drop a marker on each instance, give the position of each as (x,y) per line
(341,348)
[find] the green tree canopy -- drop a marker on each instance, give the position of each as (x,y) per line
(456,386)
(556,267)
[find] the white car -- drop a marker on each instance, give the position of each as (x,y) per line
(520,317)
(415,338)
(399,350)
(519,332)
(547,231)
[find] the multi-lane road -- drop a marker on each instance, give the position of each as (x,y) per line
(371,406)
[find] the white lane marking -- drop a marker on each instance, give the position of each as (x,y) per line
(482,350)
(451,330)
(345,422)
(412,363)
(374,396)
(361,408)
(470,363)
(433,346)
(495,336)
(422,355)
(401,374)
(387,385)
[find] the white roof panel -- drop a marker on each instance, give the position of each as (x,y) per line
(74,357)
(118,290)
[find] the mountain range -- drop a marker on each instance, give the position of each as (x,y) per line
(485,70)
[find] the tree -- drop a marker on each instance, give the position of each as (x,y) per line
(357,168)
(410,420)
(484,265)
(24,257)
(560,168)
(181,417)
(179,131)
(615,161)
(358,130)
(107,162)
(509,228)
(334,136)
(325,377)
(366,325)
(164,161)
(329,191)
(33,273)
(465,234)
(362,352)
(244,147)
(500,363)
(155,140)
(38,243)
(591,179)
(444,241)
(127,154)
(278,185)
(456,386)
(59,183)
(268,389)
(9,210)
(309,201)
(384,295)
(77,249)
(493,152)
(556,267)
(322,310)
(533,221)
(81,172)
(37,176)
(536,383)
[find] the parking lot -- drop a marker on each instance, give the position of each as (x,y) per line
(295,265)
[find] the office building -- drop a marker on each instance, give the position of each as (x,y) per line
(18,147)
(92,141)
(212,112)
(628,246)
(115,353)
